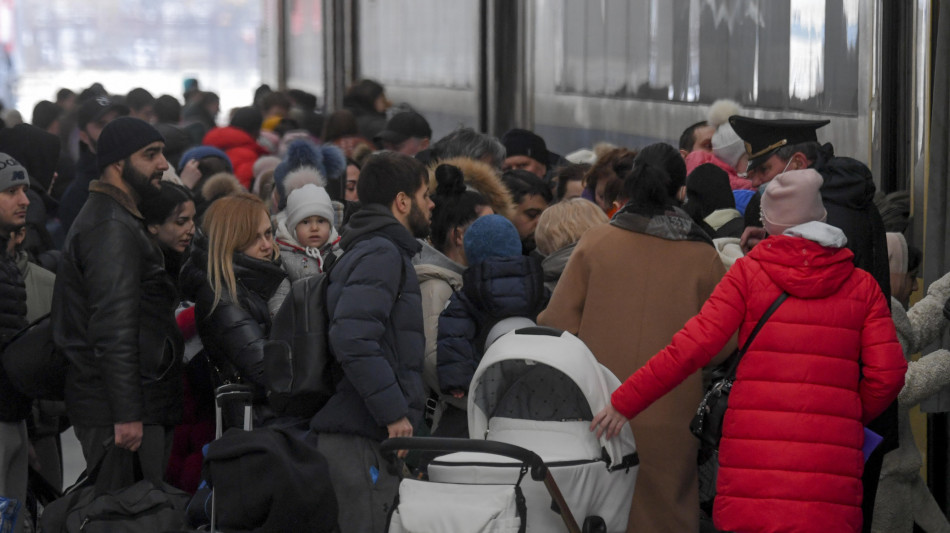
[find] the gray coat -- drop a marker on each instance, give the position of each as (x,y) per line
(900,493)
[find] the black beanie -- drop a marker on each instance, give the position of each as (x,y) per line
(707,189)
(123,137)
(523,142)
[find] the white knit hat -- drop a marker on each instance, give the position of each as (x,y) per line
(791,199)
(308,201)
(727,145)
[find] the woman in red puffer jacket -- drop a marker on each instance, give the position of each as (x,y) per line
(825,364)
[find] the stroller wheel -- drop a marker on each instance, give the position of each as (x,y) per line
(594,524)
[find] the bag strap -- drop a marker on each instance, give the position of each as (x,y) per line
(735,361)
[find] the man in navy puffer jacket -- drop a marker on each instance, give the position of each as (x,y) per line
(376,335)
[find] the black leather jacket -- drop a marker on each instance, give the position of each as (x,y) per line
(14,406)
(233,335)
(113,317)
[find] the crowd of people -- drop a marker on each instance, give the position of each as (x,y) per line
(163,246)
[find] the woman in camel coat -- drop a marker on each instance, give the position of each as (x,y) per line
(627,288)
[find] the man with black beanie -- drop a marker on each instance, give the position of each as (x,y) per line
(113,308)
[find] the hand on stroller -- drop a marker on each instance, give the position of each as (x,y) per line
(608,421)
(400,428)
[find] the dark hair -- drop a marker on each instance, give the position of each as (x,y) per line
(275,99)
(688,137)
(139,98)
(387,174)
(259,93)
(914,258)
(167,109)
(667,159)
(302,99)
(567,174)
(158,209)
(207,97)
(362,95)
(339,124)
(612,167)
(63,94)
(284,125)
(521,183)
(647,187)
(466,142)
(455,205)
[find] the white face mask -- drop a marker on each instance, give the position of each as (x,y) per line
(764,185)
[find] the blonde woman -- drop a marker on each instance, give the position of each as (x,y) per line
(236,281)
(559,228)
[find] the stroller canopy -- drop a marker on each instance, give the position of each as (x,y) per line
(543,374)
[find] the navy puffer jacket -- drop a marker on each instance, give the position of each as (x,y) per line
(495,289)
(376,330)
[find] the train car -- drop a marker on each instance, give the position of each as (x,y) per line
(631,72)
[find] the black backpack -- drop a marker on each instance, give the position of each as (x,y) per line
(33,363)
(298,366)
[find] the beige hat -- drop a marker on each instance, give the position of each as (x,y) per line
(791,199)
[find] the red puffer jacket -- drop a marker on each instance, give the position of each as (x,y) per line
(824,365)
(242,150)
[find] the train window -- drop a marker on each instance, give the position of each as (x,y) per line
(787,54)
(305,45)
(429,43)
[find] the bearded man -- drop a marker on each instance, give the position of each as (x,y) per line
(113,308)
(376,335)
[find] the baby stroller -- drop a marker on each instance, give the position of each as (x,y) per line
(536,388)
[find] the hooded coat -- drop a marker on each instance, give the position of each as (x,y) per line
(376,331)
(483,178)
(625,293)
(825,364)
(494,289)
(242,149)
(439,278)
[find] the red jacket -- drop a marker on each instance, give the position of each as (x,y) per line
(242,150)
(824,365)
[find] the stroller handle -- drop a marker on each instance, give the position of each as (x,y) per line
(435,444)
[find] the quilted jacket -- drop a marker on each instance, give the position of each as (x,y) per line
(242,149)
(824,365)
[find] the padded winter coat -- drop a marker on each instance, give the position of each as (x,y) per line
(376,332)
(113,317)
(825,364)
(242,149)
(233,334)
(495,289)
(14,406)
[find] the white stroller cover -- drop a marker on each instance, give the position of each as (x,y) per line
(538,388)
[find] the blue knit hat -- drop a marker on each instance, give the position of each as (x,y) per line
(201,152)
(491,236)
(327,159)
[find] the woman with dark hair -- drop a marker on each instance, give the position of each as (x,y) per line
(170,219)
(341,130)
(367,101)
(646,272)
(440,265)
(531,197)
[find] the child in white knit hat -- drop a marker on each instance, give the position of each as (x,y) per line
(307,239)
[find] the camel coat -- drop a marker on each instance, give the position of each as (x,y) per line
(625,294)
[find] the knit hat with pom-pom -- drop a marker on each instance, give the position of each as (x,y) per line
(327,161)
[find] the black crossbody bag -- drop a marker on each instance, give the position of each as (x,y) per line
(707,422)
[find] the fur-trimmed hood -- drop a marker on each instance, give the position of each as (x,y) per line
(483,178)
